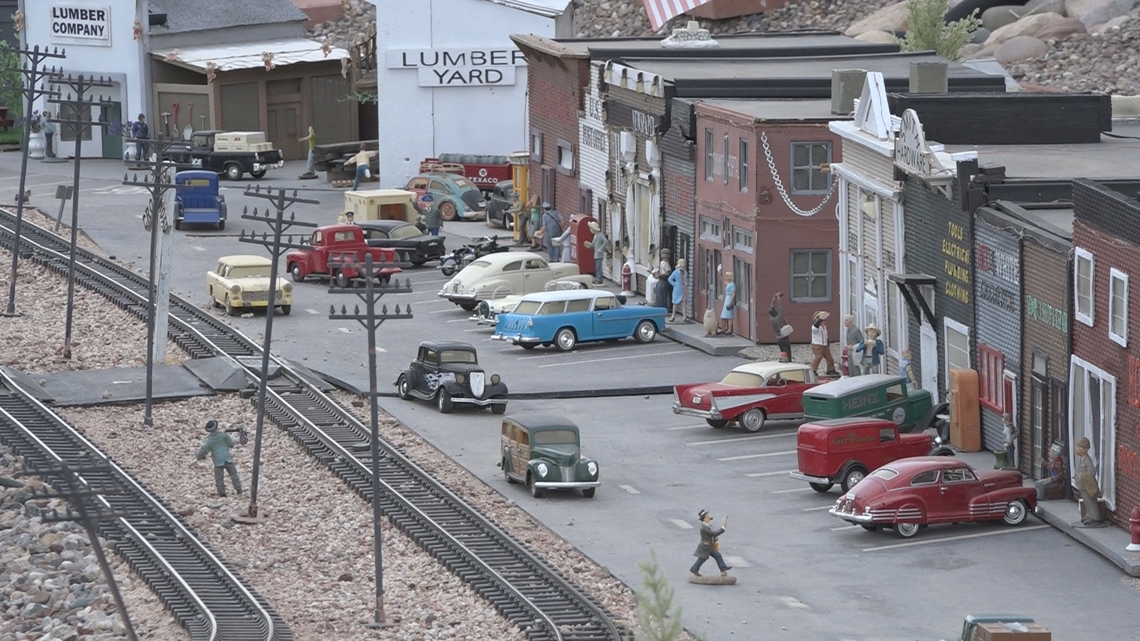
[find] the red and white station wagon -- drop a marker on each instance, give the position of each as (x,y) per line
(751,394)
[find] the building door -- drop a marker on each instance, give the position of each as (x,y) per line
(284,130)
(1037,400)
(709,281)
(928,362)
(112,144)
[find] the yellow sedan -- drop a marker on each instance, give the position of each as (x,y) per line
(242,282)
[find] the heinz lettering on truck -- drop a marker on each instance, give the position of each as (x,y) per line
(873,395)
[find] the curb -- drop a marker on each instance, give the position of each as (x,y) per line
(648,390)
(1125,106)
(1129,562)
(703,345)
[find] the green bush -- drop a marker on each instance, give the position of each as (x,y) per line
(656,616)
(11,81)
(927,29)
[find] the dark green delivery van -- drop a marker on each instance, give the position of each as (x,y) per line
(873,395)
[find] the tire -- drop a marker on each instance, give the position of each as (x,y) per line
(527,345)
(941,451)
(234,171)
(230,311)
(753,420)
(715,423)
(1015,513)
(535,491)
(851,477)
(448,211)
(444,401)
(499,408)
(418,263)
(589,492)
(565,339)
(448,267)
(258,174)
(285,309)
(646,331)
(468,307)
(906,530)
(341,279)
(178,224)
(295,272)
(403,388)
(822,488)
(869,528)
(221,225)
(385,279)
(214,304)
(507,475)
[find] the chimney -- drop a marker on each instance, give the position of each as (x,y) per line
(928,77)
(846,86)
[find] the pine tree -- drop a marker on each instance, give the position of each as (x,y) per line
(927,29)
(656,616)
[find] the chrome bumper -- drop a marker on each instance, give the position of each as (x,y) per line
(516,339)
(565,485)
(860,519)
(481,320)
(481,402)
(688,411)
(459,299)
(822,480)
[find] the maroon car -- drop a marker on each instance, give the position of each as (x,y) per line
(910,493)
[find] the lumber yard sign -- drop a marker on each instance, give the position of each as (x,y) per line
(459,67)
(82,25)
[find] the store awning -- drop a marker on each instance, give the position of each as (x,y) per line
(251,55)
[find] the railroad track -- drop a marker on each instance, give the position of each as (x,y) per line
(524,588)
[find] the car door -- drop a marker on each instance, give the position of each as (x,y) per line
(521,451)
(429,370)
(580,317)
(609,319)
(515,278)
(788,386)
(955,489)
(535,275)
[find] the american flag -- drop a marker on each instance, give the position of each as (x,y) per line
(662,11)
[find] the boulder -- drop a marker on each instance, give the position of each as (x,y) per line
(968,52)
(880,37)
(1062,29)
(890,18)
(997,17)
(978,51)
(980,36)
(1019,49)
(1027,26)
(1034,7)
(1094,12)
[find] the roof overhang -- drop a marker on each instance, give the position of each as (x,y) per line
(546,8)
(909,285)
(233,57)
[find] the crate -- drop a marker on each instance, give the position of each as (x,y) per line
(241,141)
(999,632)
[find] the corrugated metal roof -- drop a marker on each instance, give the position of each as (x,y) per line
(548,8)
(249,55)
(183,16)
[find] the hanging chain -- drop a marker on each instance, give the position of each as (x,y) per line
(780,183)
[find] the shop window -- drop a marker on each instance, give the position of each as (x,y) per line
(743,165)
(742,276)
(1093,402)
(536,145)
(724,161)
(957,339)
(548,185)
(811,275)
(585,201)
(742,240)
(708,155)
(69,114)
(565,157)
(1118,307)
(1083,264)
(807,175)
(710,229)
(991,364)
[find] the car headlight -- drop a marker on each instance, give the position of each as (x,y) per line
(541,467)
(530,322)
(495,379)
(235,289)
(287,287)
(460,378)
(867,510)
(592,468)
(471,290)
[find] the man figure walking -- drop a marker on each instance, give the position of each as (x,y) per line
(709,545)
(820,345)
(218,445)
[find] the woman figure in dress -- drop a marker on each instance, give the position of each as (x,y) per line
(677,281)
(728,311)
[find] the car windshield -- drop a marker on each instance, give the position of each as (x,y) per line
(554,437)
(404,231)
(742,379)
(249,272)
(884,473)
(527,307)
(463,183)
(457,356)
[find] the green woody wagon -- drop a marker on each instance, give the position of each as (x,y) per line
(873,395)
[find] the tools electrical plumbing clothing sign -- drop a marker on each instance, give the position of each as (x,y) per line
(81,25)
(459,67)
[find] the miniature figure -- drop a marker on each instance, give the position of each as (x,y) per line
(781,327)
(820,345)
(663,291)
(872,349)
(709,546)
(598,244)
(1009,440)
(361,160)
(551,231)
(49,132)
(218,445)
(677,283)
(311,139)
(1054,472)
(906,368)
(1085,477)
(728,310)
(854,337)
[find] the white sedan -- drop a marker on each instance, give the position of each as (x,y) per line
(504,274)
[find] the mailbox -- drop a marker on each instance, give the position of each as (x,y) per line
(580,233)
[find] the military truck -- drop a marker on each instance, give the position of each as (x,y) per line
(233,153)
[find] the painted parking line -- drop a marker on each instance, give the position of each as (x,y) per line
(843,527)
(458,320)
(199,248)
(757,475)
(629,488)
(429,301)
(735,439)
(479,329)
(684,525)
(312,311)
(344,329)
(616,358)
(956,538)
(793,491)
(557,354)
(745,457)
(444,311)
(428,282)
(687,427)
(817,509)
(736,561)
(793,602)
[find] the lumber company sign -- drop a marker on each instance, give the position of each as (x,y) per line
(459,67)
(81,25)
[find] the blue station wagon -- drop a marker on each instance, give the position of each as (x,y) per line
(566,318)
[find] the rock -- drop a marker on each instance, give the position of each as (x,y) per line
(881,37)
(1045,6)
(890,18)
(1020,48)
(1027,26)
(1094,12)
(979,37)
(347,576)
(1061,29)
(997,17)
(983,51)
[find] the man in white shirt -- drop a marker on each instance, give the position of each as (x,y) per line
(820,345)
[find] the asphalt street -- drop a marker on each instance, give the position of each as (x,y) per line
(802,573)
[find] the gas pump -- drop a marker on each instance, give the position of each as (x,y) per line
(520,173)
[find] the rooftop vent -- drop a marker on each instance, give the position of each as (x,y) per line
(928,77)
(692,36)
(846,86)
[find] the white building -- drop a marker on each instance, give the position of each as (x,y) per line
(99,37)
(451,81)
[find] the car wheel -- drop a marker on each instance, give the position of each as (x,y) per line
(752,420)
(233,171)
(507,475)
(869,528)
(448,211)
(906,530)
(214,301)
(221,225)
(941,451)
(467,307)
(295,272)
(1015,513)
(821,487)
(547,344)
(418,263)
(589,492)
(535,491)
(565,339)
(178,224)
(499,408)
(715,423)
(646,331)
(403,388)
(229,308)
(341,278)
(445,403)
(852,477)
(527,345)
(258,174)
(385,279)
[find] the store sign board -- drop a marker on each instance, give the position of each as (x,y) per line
(912,154)
(81,25)
(459,67)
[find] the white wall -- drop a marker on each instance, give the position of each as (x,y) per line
(121,61)
(415,121)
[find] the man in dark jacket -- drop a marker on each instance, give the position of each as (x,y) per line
(781,327)
(551,230)
(141,132)
(218,445)
(709,545)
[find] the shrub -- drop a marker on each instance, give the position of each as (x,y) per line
(927,29)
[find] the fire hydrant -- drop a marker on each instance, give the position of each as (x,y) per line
(627,280)
(1134,529)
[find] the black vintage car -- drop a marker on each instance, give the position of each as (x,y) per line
(412,245)
(448,373)
(500,203)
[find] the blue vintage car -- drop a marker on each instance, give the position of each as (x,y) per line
(565,318)
(198,200)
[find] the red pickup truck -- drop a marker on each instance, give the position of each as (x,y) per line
(483,170)
(343,246)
